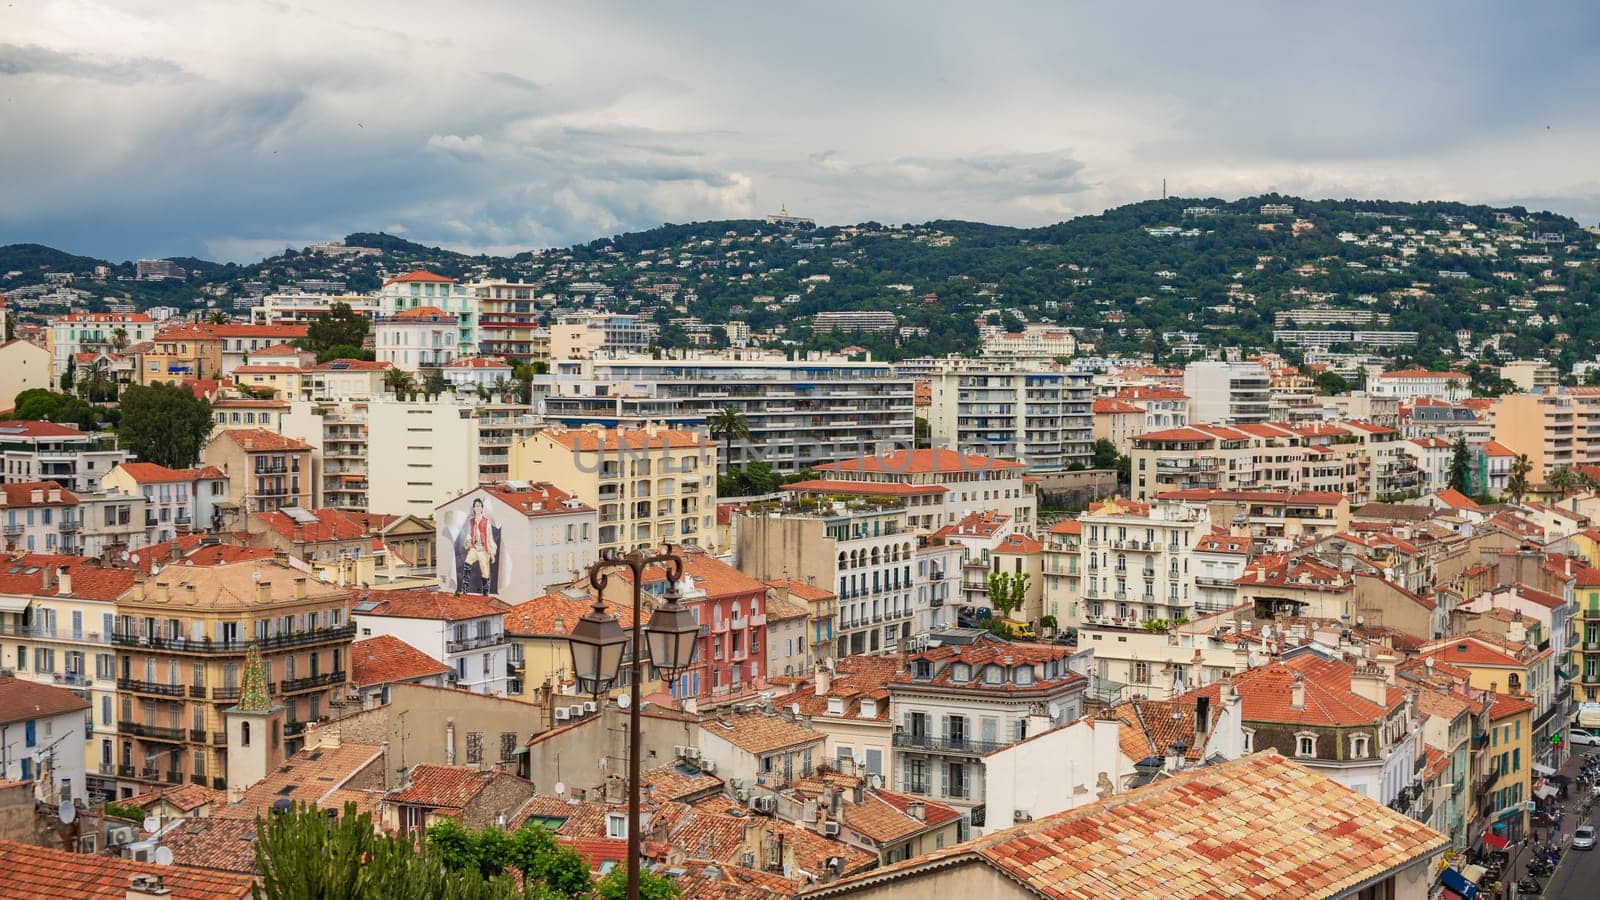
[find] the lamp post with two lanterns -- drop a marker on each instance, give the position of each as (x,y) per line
(599,643)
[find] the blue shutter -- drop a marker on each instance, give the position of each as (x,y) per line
(32,737)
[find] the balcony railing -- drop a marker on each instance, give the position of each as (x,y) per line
(236,646)
(225,693)
(291,729)
(154,732)
(150,687)
(289,685)
(474,643)
(943,744)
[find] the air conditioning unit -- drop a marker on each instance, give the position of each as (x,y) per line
(563,714)
(577,710)
(708,767)
(589,706)
(742,794)
(1020,816)
(765,803)
(122,835)
(830,829)
(680,752)
(691,753)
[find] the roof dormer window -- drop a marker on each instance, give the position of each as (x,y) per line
(835,706)
(994,675)
(961,672)
(922,669)
(1022,675)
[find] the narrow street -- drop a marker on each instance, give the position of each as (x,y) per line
(1578,876)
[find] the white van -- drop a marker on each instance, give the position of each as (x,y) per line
(1584,737)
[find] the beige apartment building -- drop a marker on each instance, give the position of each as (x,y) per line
(651,485)
(266,471)
(1555,427)
(181,638)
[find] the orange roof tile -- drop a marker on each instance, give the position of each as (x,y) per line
(920,462)
(423,603)
(590,440)
(870,488)
(537,499)
(260,440)
(420,276)
(386,659)
(20,495)
(38,873)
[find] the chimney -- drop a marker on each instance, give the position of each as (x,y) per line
(690,705)
(163,592)
(1297,697)
(300,588)
(64,579)
(142,886)
(1202,715)
(55,497)
(36,496)
(1369,683)
(916,810)
(824,681)
(263,592)
(191,596)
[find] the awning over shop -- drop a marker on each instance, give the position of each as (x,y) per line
(1545,792)
(1563,673)
(1543,769)
(1455,881)
(1495,842)
(1473,874)
(14,604)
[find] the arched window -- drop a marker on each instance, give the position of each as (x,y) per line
(244,734)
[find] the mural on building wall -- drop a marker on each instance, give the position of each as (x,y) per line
(475,541)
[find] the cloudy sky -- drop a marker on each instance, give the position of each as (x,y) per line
(231,128)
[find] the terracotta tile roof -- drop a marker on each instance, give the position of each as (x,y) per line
(278,350)
(781,610)
(1299,498)
(597,851)
(478,362)
(447,787)
(1506,706)
(678,782)
(310,776)
(1222,543)
(20,495)
(1258,826)
(812,851)
(325,525)
(420,276)
(556,614)
(150,473)
(934,812)
(105,317)
(23,700)
(1112,405)
(758,733)
(223,845)
(920,462)
(194,550)
(1151,727)
(856,678)
(713,576)
(386,659)
(985,651)
(880,820)
(1067,526)
(977,524)
(424,603)
(1438,703)
(1423,373)
(37,429)
(1470,651)
(869,488)
(286,332)
(1266,693)
(260,440)
(1146,392)
(351,365)
(425,313)
(802,590)
(718,880)
(1019,544)
(37,873)
(537,499)
(590,440)
(185,797)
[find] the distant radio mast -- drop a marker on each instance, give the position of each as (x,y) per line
(1163,189)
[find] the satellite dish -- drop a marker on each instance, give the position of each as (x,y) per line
(623,701)
(1054,710)
(1429,663)
(560,789)
(67,812)
(151,823)
(124,557)
(877,782)
(163,856)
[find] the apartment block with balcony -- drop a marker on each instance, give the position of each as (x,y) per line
(1042,419)
(464,631)
(859,545)
(176,501)
(1231,393)
(1555,427)
(651,485)
(1063,571)
(418,340)
(182,636)
(1586,659)
(509,321)
(83,331)
(57,615)
(113,522)
(39,517)
(940,486)
(535,536)
(47,451)
(801,413)
(1138,562)
(265,471)
(421,288)
(958,702)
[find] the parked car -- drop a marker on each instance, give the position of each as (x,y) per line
(1583,838)
(1584,737)
(1016,631)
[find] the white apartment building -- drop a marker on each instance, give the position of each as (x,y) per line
(1138,562)
(47,451)
(176,501)
(464,631)
(430,452)
(1218,561)
(1044,419)
(469,373)
(861,546)
(1045,343)
(801,413)
(39,517)
(423,288)
(423,337)
(943,486)
(1414,384)
(82,331)
(42,736)
(1227,392)
(303,308)
(513,540)
(579,337)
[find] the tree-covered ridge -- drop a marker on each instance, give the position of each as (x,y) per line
(1138,278)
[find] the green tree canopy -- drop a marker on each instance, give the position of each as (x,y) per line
(165,424)
(41,405)
(340,325)
(344,351)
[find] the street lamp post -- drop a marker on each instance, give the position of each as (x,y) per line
(598,642)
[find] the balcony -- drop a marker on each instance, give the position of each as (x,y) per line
(13,528)
(939,744)
(1592,677)
(73,679)
(225,693)
(125,771)
(290,685)
(150,687)
(70,526)
(236,646)
(153,732)
(293,729)
(474,643)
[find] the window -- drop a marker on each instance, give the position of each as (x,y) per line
(1360,746)
(616,825)
(1305,744)
(1249,740)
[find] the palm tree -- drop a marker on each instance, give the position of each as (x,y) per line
(119,339)
(217,317)
(729,423)
(399,382)
(1517,484)
(1564,480)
